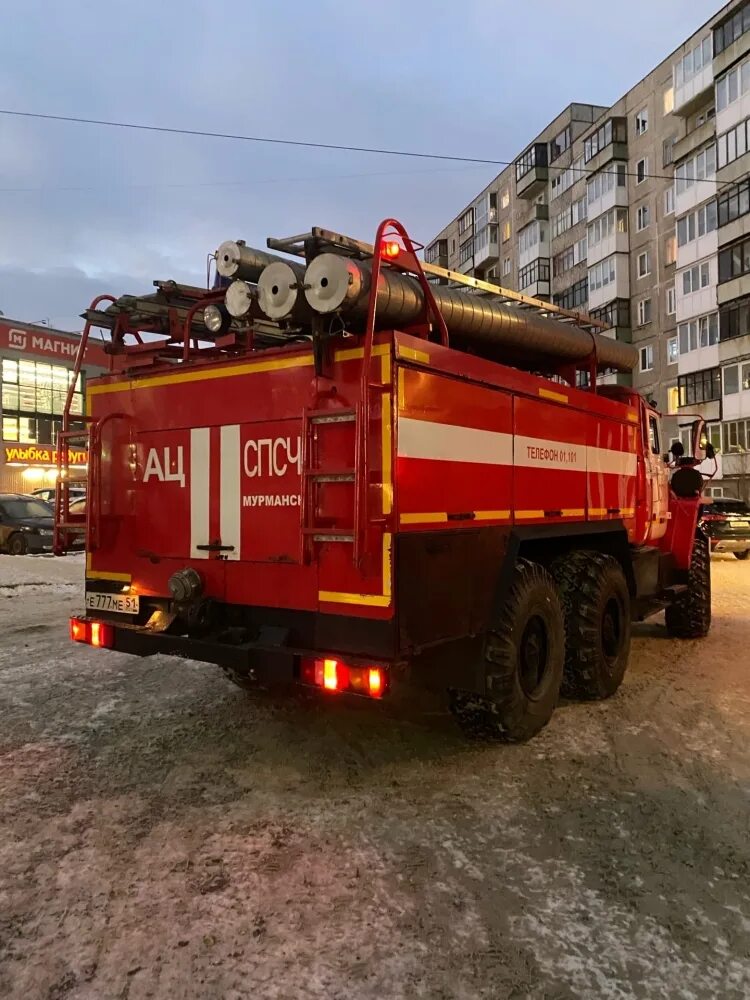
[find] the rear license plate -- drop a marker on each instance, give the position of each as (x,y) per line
(739,524)
(124,604)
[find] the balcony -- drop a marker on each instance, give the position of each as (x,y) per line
(609,279)
(731,39)
(486,246)
(694,140)
(437,253)
(698,249)
(541,213)
(534,279)
(689,96)
(532,172)
(615,243)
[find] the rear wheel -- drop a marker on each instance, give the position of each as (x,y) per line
(596,603)
(742,555)
(524,657)
(17,545)
(690,615)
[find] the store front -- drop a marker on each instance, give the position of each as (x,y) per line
(36,370)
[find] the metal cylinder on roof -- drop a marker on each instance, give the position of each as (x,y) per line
(279,288)
(235,260)
(341,284)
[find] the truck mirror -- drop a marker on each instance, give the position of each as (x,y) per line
(710,450)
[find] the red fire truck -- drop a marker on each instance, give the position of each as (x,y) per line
(359,472)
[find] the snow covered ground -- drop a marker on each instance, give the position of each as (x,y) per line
(163,835)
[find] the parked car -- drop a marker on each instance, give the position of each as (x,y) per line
(48,493)
(25,524)
(727,524)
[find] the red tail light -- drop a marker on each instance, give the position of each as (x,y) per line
(333,675)
(375,682)
(78,630)
(99,634)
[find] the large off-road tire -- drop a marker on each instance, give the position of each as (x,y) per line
(690,615)
(17,545)
(596,604)
(742,555)
(524,656)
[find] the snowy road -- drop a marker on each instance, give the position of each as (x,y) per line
(162,835)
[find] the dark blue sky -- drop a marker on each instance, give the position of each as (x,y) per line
(85,210)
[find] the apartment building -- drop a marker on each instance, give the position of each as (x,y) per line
(639,213)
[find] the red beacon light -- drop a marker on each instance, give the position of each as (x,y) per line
(390,249)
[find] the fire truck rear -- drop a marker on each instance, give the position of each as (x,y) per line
(346,469)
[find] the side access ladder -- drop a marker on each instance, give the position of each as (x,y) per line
(69,527)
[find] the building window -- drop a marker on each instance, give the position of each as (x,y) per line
(602,274)
(669,100)
(559,144)
(693,62)
(703,220)
(615,313)
(700,332)
(534,156)
(671,303)
(700,387)
(730,30)
(537,271)
(700,167)
(734,319)
(672,351)
(644,264)
(465,251)
(565,179)
(735,436)
(642,218)
(641,122)
(669,201)
(611,131)
(505,198)
(466,222)
(605,181)
(731,376)
(695,278)
(506,232)
(673,399)
(647,356)
(574,297)
(578,211)
(734,260)
(435,251)
(563,262)
(670,250)
(667,151)
(530,236)
(733,85)
(733,144)
(580,251)
(33,398)
(735,202)
(506,267)
(641,169)
(644,312)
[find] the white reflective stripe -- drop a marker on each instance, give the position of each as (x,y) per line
(229,490)
(428,439)
(618,463)
(543,453)
(452,443)
(200,453)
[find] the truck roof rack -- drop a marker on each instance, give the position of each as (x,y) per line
(320,240)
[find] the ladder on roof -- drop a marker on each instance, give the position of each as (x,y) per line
(326,239)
